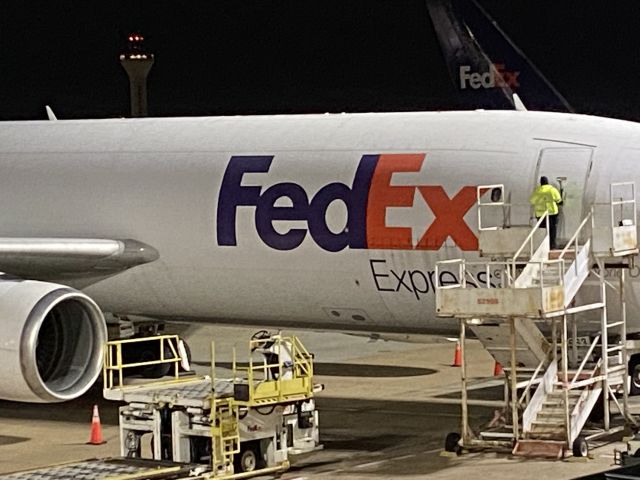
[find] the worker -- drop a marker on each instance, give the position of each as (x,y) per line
(546,198)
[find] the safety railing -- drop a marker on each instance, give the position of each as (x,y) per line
(509,295)
(619,237)
(285,372)
(509,271)
(125,355)
(529,240)
(623,195)
(574,244)
(496,202)
(526,393)
(578,373)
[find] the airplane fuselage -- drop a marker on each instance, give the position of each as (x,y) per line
(315,220)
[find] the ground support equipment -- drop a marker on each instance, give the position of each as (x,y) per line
(529,315)
(248,423)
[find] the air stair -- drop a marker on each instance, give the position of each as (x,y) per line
(529,313)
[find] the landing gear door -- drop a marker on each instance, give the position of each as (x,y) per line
(567,168)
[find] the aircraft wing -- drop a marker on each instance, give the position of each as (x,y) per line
(71,260)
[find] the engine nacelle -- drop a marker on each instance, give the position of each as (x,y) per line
(51,341)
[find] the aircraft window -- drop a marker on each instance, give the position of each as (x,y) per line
(496,195)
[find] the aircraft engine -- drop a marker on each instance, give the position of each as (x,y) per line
(51,341)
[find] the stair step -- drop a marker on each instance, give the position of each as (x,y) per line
(557,435)
(545,422)
(568,255)
(551,410)
(560,393)
(557,403)
(547,416)
(539,448)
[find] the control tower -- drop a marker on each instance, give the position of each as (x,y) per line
(137,61)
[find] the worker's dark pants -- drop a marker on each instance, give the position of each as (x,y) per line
(553,224)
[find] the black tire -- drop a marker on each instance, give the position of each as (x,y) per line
(451,442)
(580,447)
(248,459)
(155,371)
(634,374)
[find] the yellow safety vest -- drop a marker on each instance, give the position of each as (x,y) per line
(545,198)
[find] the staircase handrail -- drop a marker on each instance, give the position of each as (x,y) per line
(574,238)
(584,362)
(545,387)
(531,382)
(529,240)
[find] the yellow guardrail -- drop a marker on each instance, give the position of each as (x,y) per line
(288,376)
(115,362)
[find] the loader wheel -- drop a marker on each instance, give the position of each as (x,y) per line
(580,447)
(451,443)
(247,460)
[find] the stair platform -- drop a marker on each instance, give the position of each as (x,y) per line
(540,448)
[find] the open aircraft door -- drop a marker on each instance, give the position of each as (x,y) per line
(567,168)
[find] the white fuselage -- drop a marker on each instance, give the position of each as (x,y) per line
(345,221)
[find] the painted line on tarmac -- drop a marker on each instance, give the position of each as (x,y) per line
(432,450)
(403,457)
(422,414)
(380,462)
(457,401)
(372,464)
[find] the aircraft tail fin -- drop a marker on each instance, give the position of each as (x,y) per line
(50,114)
(485,65)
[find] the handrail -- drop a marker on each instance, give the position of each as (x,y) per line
(529,238)
(531,382)
(631,200)
(574,238)
(584,361)
(289,374)
(505,265)
(480,191)
(114,360)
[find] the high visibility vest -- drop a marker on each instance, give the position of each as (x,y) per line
(545,198)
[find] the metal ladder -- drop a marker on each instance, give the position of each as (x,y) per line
(225,434)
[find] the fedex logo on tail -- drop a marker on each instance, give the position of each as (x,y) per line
(366,199)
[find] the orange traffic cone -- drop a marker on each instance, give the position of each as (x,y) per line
(497,369)
(96,429)
(457,357)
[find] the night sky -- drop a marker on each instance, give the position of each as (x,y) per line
(295,56)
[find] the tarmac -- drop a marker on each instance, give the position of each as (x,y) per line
(385,411)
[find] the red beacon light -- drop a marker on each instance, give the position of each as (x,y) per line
(135,47)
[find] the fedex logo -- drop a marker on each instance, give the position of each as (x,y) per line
(497,76)
(366,201)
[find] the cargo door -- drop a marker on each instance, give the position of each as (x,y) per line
(568,169)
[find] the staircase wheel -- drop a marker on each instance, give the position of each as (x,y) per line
(580,447)
(451,442)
